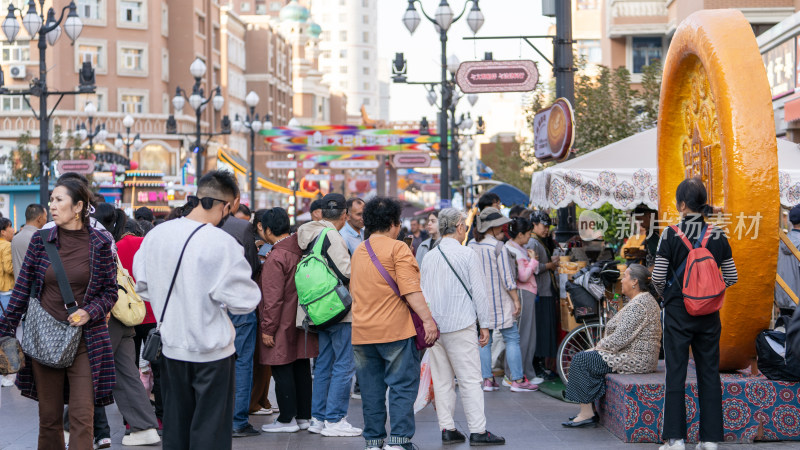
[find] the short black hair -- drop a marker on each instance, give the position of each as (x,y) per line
(487,200)
(245,210)
(217,181)
(277,220)
(4,223)
(33,212)
(515,211)
(352,201)
(381,214)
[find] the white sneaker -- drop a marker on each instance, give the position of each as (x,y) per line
(278,427)
(316,425)
(303,424)
(262,412)
(340,429)
(673,444)
(537,380)
(144,437)
(706,446)
(506,382)
(102,443)
(8,380)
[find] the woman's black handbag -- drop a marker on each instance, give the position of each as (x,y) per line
(151,350)
(775,360)
(46,340)
(585,306)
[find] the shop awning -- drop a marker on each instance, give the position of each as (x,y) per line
(240,166)
(791,110)
(625,174)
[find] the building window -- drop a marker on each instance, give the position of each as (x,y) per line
(13,103)
(164,19)
(245,7)
(589,50)
(342,18)
(343,35)
(366,54)
(587,4)
(343,69)
(365,37)
(366,101)
(366,70)
(366,86)
(645,50)
(132,59)
(275,6)
(365,3)
(16,52)
(164,64)
(201,25)
(93,54)
(365,19)
(325,54)
(131,11)
(88,9)
(237,85)
(99,99)
(132,104)
(343,53)
(236,52)
(342,2)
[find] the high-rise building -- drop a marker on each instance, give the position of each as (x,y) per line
(348,56)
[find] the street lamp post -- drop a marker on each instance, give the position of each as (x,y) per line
(253,124)
(443,18)
(127,141)
(198,102)
(91,132)
(49,31)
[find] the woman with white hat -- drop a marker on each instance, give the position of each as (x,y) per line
(501,285)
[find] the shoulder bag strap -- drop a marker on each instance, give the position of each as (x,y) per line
(702,240)
(175,275)
(317,249)
(63,284)
(454,272)
(382,270)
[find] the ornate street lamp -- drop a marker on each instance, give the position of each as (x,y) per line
(127,141)
(91,132)
(253,124)
(198,102)
(48,34)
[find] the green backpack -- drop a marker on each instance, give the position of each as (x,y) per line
(319,291)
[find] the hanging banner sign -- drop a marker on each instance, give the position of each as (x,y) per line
(82,166)
(357,164)
(347,139)
(317,177)
(411,160)
(554,131)
(497,76)
(281,164)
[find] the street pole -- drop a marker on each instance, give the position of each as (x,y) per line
(444,177)
(44,125)
(454,169)
(565,88)
(197,142)
(252,160)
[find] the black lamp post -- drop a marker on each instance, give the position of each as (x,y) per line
(127,141)
(253,124)
(443,18)
(49,31)
(198,102)
(91,132)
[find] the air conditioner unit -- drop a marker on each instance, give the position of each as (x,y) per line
(17,71)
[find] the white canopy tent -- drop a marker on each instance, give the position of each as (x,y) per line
(625,174)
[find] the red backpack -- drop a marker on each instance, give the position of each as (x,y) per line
(703,287)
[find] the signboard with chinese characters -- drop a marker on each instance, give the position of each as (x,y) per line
(779,62)
(554,131)
(82,166)
(497,76)
(411,160)
(356,164)
(346,139)
(290,164)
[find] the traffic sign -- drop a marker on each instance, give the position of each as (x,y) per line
(353,164)
(82,166)
(411,160)
(497,76)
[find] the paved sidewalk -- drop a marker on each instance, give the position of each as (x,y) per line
(526,420)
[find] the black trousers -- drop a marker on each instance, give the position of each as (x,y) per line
(293,390)
(682,330)
(198,404)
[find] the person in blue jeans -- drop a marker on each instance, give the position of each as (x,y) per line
(334,367)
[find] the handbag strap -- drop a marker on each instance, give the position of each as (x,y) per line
(382,270)
(63,283)
(175,275)
(454,272)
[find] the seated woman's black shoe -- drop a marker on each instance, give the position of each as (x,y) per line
(485,438)
(596,418)
(452,437)
(583,423)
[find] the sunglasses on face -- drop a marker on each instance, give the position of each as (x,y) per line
(205,202)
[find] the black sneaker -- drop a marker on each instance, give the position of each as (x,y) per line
(485,438)
(247,431)
(452,437)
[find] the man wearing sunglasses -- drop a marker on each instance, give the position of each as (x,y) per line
(213,279)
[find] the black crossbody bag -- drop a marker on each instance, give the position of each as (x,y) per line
(152,346)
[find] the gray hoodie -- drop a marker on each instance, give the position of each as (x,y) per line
(334,249)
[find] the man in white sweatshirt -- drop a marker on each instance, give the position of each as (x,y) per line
(197,335)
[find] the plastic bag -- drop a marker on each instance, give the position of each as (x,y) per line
(425,393)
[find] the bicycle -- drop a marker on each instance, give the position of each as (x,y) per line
(586,335)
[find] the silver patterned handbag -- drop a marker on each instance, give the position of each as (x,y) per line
(46,340)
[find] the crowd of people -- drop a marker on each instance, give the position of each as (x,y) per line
(228,311)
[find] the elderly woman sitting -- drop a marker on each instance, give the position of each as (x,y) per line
(631,345)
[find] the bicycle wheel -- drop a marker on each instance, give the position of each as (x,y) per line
(581,338)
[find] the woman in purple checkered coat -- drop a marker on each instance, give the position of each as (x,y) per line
(90,268)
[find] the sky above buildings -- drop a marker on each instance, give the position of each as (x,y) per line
(423,53)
